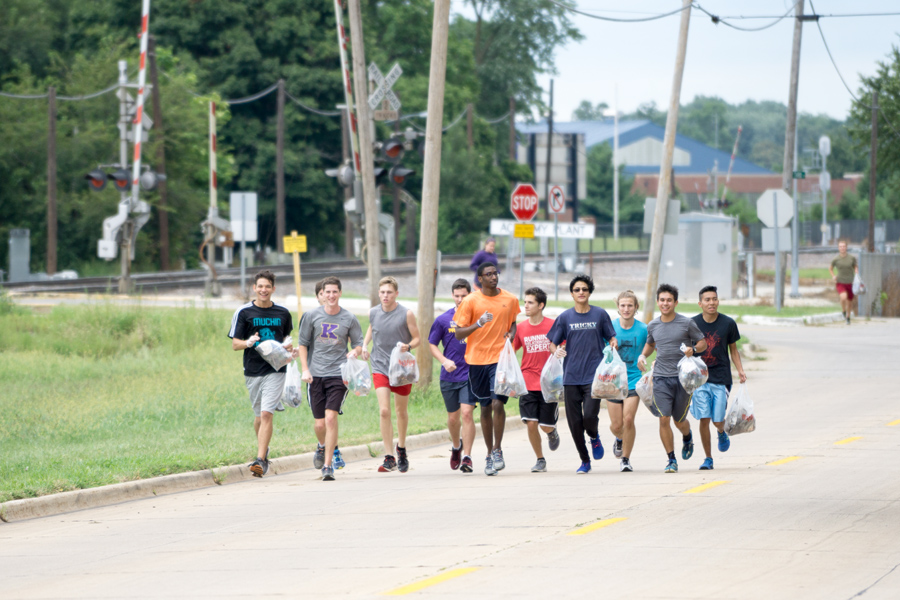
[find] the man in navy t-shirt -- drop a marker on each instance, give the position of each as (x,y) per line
(455,379)
(585,329)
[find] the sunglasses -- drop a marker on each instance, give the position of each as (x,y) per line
(579,289)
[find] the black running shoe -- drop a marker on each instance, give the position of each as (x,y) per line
(259,467)
(389,464)
(402,460)
(466,464)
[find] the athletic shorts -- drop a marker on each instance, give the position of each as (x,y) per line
(630,394)
(670,398)
(533,408)
(481,383)
(326,393)
(265,392)
(456,393)
(383,381)
(709,402)
(844,288)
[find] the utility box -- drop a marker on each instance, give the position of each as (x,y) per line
(19,255)
(703,252)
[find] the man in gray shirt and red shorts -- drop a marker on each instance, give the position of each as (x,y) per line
(330,327)
(666,334)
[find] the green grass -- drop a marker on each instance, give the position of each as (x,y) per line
(104,394)
(811,273)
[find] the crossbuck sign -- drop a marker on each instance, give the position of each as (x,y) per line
(383,86)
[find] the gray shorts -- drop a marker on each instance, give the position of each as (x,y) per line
(456,393)
(670,398)
(265,392)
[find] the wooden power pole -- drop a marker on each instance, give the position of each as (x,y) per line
(280,228)
(431,181)
(666,178)
(52,221)
(366,151)
(163,213)
(872,171)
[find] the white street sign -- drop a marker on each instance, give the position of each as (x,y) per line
(580,231)
(766,208)
(824,181)
(383,86)
(557,200)
(784,239)
(242,212)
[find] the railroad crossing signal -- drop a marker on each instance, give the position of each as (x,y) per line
(383,91)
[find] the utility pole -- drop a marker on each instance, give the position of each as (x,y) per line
(789,137)
(348,192)
(366,152)
(666,178)
(874,154)
(512,128)
(395,191)
(431,181)
(469,125)
(160,161)
(280,230)
(51,182)
(555,216)
(795,233)
(549,154)
(615,159)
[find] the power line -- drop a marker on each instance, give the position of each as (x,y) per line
(69,98)
(615,19)
(324,113)
(254,97)
(717,19)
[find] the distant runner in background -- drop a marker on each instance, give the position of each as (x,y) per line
(485,255)
(846,267)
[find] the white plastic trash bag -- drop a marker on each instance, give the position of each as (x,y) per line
(858,286)
(355,375)
(403,368)
(611,377)
(692,372)
(275,353)
(740,417)
(292,395)
(644,389)
(508,379)
(552,380)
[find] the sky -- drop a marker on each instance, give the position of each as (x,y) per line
(636,61)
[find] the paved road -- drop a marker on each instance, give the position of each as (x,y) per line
(826,525)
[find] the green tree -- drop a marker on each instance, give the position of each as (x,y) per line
(589,112)
(599,201)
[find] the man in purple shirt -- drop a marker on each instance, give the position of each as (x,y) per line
(455,379)
(484,256)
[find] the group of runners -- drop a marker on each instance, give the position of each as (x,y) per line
(467,340)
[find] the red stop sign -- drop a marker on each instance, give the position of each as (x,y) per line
(524,202)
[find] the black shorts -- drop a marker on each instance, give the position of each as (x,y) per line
(631,393)
(326,393)
(533,408)
(481,383)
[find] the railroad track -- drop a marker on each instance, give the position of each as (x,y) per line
(349,269)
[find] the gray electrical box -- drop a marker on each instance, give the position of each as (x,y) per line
(703,252)
(19,255)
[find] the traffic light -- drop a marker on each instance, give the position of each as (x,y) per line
(392,150)
(151,179)
(96,179)
(343,173)
(121,180)
(399,174)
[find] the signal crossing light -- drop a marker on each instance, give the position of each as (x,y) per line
(96,179)
(121,179)
(343,173)
(399,174)
(150,180)
(392,150)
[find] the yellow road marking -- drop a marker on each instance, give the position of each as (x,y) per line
(892,423)
(848,440)
(596,526)
(420,585)
(785,460)
(705,486)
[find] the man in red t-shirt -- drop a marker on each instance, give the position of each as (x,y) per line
(532,335)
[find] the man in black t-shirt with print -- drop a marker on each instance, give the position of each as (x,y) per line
(259,320)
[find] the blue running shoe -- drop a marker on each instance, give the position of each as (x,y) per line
(672,466)
(597,448)
(337,460)
(687,449)
(724,442)
(707,464)
(584,468)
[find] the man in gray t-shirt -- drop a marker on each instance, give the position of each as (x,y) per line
(666,334)
(331,328)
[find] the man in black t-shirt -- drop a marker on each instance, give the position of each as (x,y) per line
(259,320)
(710,399)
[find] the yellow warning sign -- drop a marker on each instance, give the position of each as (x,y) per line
(294,243)
(522,230)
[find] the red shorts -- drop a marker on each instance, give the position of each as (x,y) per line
(382,381)
(845,288)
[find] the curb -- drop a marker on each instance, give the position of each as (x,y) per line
(64,502)
(822,319)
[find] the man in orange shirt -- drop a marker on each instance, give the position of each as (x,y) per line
(486,317)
